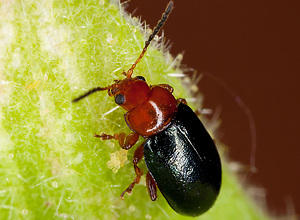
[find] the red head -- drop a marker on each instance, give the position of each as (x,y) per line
(129,93)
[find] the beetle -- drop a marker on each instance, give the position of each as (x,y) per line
(180,155)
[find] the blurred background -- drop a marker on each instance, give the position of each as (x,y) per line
(248,50)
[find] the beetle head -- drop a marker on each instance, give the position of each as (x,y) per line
(129,92)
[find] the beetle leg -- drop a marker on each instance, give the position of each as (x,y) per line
(151,186)
(124,73)
(126,142)
(167,87)
(181,100)
(138,155)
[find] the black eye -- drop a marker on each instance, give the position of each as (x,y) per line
(119,99)
(141,78)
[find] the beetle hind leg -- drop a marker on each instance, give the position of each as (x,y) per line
(151,186)
(138,155)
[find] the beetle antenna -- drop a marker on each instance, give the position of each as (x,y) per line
(155,31)
(90,92)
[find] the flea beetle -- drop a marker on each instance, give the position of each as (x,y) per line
(180,155)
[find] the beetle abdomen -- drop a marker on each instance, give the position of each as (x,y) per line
(185,164)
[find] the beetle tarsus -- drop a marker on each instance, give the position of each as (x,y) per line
(126,142)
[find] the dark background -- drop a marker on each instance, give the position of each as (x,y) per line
(253,47)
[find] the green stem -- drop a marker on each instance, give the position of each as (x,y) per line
(51,166)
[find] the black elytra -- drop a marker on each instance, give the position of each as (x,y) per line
(185,164)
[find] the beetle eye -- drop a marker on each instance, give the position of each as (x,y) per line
(119,99)
(141,78)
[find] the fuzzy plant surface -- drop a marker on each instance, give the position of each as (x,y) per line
(51,165)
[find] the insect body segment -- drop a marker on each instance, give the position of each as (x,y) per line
(181,157)
(154,114)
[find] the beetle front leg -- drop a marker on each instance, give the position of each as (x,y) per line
(126,142)
(151,186)
(138,155)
